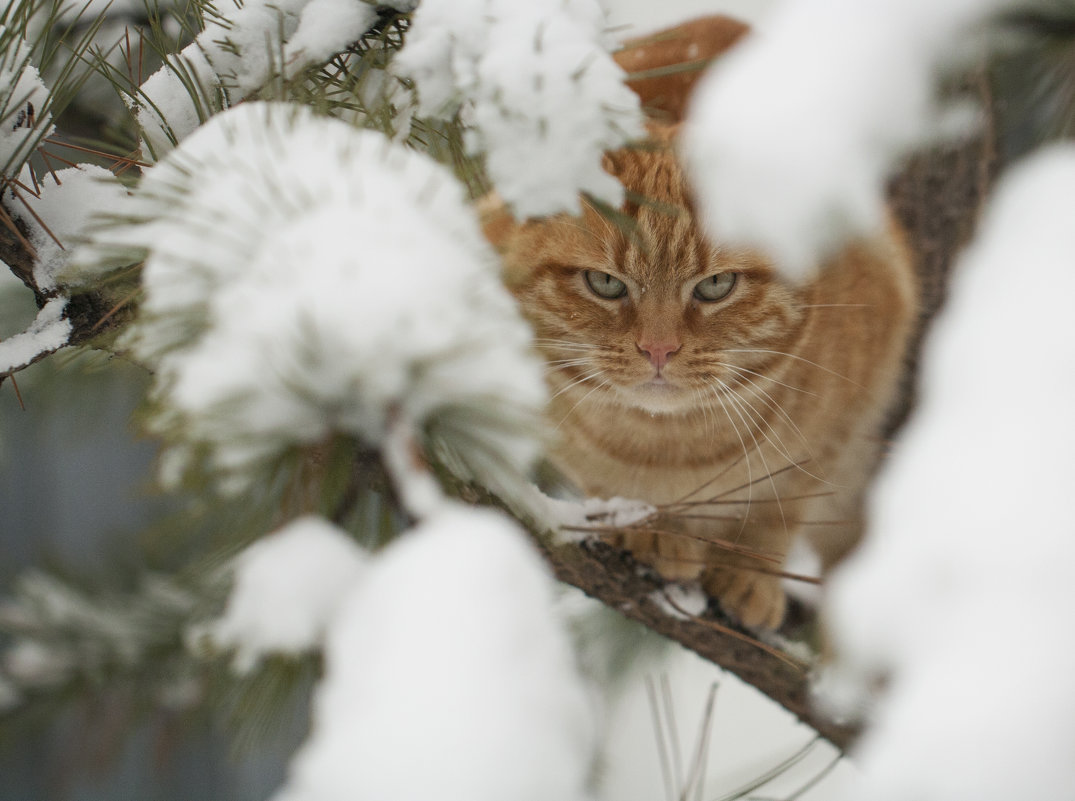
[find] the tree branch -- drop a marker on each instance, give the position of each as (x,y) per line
(610,575)
(87,315)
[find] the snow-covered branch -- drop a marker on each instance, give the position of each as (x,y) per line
(58,634)
(243,47)
(49,332)
(24,100)
(288,299)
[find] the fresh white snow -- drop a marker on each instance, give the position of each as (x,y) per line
(23,106)
(289,295)
(48,332)
(239,51)
(286,588)
(536,83)
(572,518)
(792,135)
(58,217)
(962,595)
(447,676)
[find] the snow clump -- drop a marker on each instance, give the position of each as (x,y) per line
(237,54)
(24,101)
(448,676)
(303,279)
(791,135)
(961,597)
(49,332)
(287,586)
(57,218)
(538,88)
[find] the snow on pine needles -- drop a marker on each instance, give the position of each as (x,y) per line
(24,117)
(243,47)
(539,92)
(304,278)
(56,218)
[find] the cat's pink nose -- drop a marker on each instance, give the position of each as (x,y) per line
(659,351)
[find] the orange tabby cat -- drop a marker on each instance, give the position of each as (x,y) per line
(687,373)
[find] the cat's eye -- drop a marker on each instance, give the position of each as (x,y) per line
(715,287)
(604,285)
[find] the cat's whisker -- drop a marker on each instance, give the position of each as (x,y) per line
(797,358)
(713,480)
(671,507)
(559,364)
(572,351)
(746,454)
(604,383)
(740,369)
(565,343)
(568,344)
(737,404)
(782,449)
(755,389)
(577,381)
(572,359)
(752,387)
(839,306)
(704,407)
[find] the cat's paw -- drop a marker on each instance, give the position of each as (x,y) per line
(674,558)
(754,599)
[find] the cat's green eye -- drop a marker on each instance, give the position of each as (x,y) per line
(715,287)
(604,285)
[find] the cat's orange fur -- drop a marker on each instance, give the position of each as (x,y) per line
(760,411)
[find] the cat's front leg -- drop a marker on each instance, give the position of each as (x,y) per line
(753,598)
(743,571)
(688,550)
(667,546)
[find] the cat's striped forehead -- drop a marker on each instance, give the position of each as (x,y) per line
(658,239)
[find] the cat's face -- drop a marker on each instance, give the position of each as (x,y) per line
(643,311)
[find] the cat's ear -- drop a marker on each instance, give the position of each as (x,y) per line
(670,62)
(500,228)
(497,221)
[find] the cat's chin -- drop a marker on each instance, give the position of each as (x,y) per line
(657,396)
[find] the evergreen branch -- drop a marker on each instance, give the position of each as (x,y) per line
(60,636)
